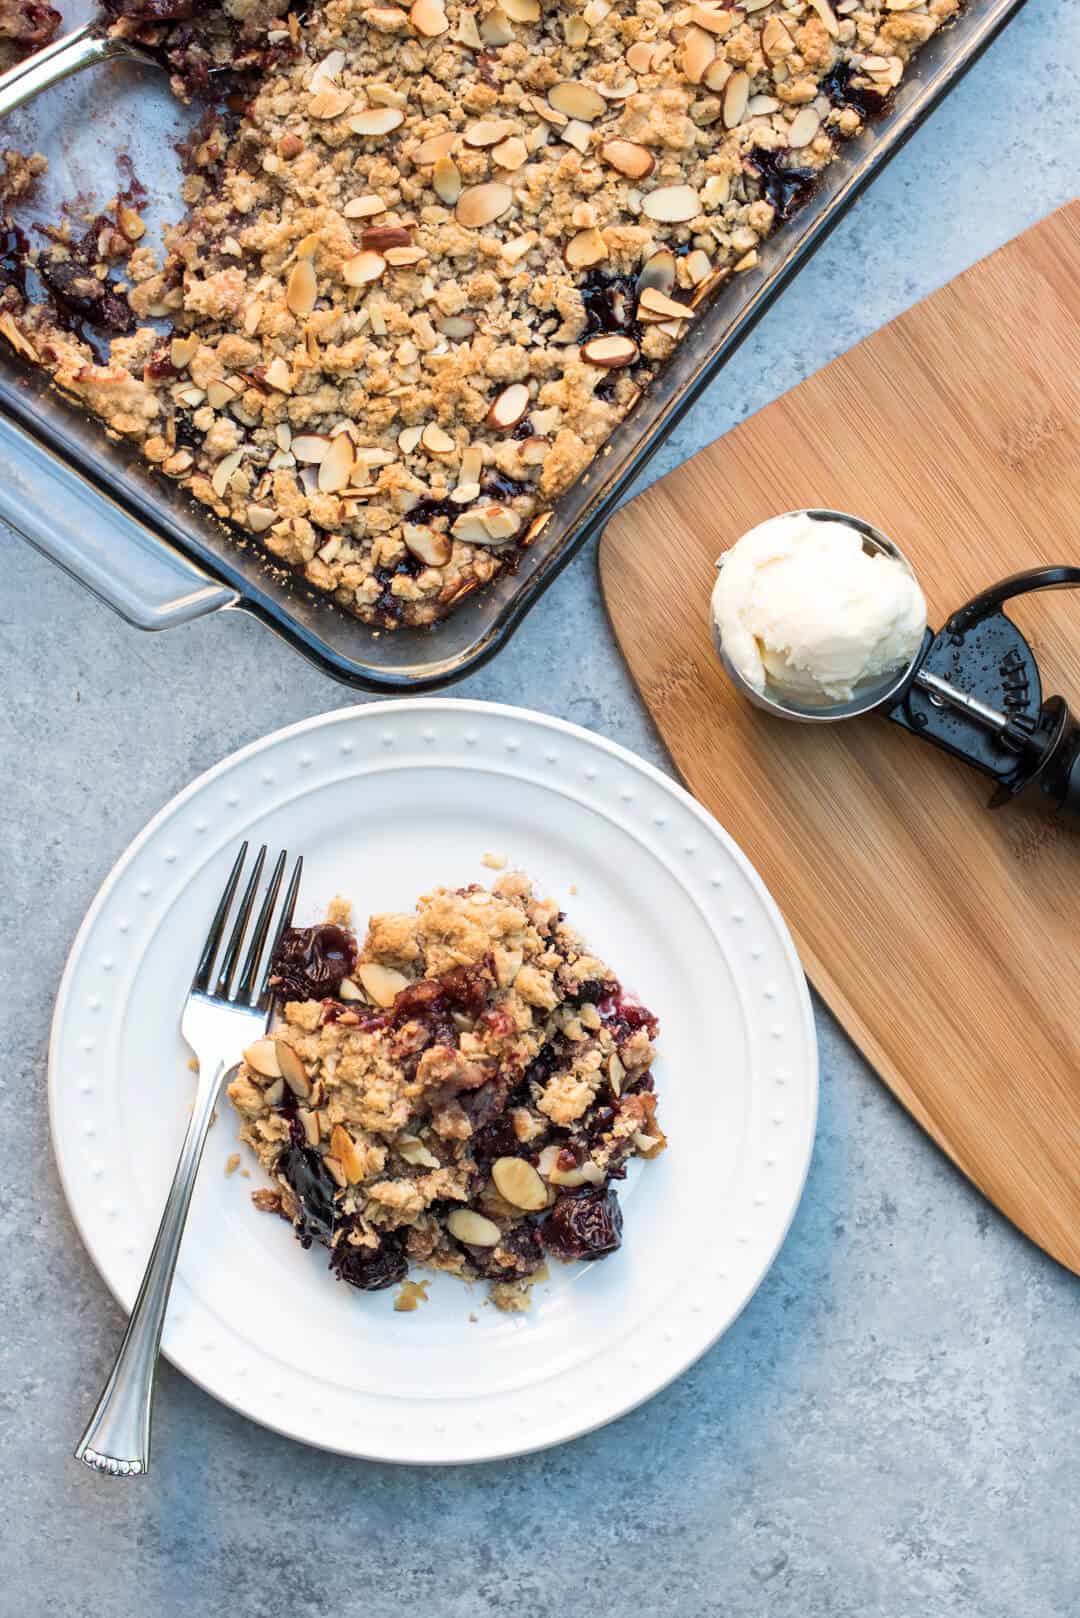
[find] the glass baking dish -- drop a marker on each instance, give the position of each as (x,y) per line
(155,556)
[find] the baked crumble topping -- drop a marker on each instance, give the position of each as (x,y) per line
(25,26)
(446,246)
(460,1092)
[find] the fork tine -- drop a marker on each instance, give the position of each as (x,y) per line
(245,988)
(285,920)
(201,981)
(236,940)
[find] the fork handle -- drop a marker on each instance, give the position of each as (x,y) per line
(117,1437)
(70,54)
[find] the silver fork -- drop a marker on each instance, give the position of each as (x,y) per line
(217,1024)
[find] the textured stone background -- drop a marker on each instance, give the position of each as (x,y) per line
(889,1431)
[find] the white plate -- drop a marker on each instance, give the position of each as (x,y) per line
(385,801)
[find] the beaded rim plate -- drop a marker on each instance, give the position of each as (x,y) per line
(386,801)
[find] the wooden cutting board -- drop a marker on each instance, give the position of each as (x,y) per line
(945,938)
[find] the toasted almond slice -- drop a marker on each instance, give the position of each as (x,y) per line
(510,154)
(382,984)
(487,132)
(343,1148)
(428,17)
(262,1058)
(575,31)
(698,51)
(776,42)
(717,74)
(517,1181)
(501,523)
(698,266)
(436,441)
(635,161)
(495,29)
(403,256)
(576,100)
(347,990)
(616,1073)
(612,352)
(640,56)
(414,1151)
(658,303)
(277,375)
(736,98)
(197,396)
(658,271)
(465,494)
(472,1228)
(762,106)
(329,101)
(220,394)
(472,464)
(436,146)
(522,10)
(827,15)
(427,544)
(475,526)
(509,407)
(364,207)
(534,450)
(293,1070)
(586,248)
(302,289)
(671,204)
(376,120)
(182,350)
(714,20)
(481,205)
(330,1162)
(274,1094)
(335,468)
(408,438)
(362,268)
(223,472)
(617,92)
(311,447)
(716,190)
(446,180)
(803,127)
(260,518)
(577,134)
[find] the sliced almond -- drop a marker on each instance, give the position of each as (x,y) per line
(465,494)
(481,205)
(671,204)
(260,518)
(698,51)
(362,268)
(277,375)
(427,544)
(658,271)
(429,151)
(576,100)
(182,350)
(344,1149)
(302,288)
(698,266)
(635,161)
(827,15)
(618,92)
(223,472)
(310,447)
(736,98)
(612,352)
(495,29)
(586,248)
(575,31)
(487,132)
(402,257)
(510,154)
(522,10)
(476,527)
(472,1228)
(329,101)
(220,394)
(293,1070)
(776,42)
(330,1162)
(655,302)
(428,17)
(577,134)
(408,438)
(335,468)
(364,207)
(376,120)
(509,407)
(803,127)
(262,1058)
(534,450)
(274,1094)
(517,1181)
(472,464)
(347,990)
(616,1073)
(717,74)
(466,33)
(714,20)
(436,441)
(414,1151)
(382,984)
(446,180)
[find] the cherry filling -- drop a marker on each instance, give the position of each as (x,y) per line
(310,962)
(371,1269)
(584,1224)
(787,189)
(314,1190)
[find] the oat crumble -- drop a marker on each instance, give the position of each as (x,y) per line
(460,1092)
(437,259)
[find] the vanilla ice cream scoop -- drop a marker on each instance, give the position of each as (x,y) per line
(804,607)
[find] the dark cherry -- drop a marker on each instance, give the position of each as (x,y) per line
(583,1224)
(592,992)
(314,1191)
(434,1000)
(14,246)
(500,487)
(81,294)
(159,365)
(787,189)
(310,962)
(520,1240)
(424,510)
(524,428)
(610,303)
(494,1139)
(372,1269)
(838,88)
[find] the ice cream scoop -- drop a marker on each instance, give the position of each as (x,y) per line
(814,608)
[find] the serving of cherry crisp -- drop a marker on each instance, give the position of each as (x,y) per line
(462,1091)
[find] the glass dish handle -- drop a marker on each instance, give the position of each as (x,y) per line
(64,516)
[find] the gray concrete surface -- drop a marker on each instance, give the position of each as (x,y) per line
(889,1431)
